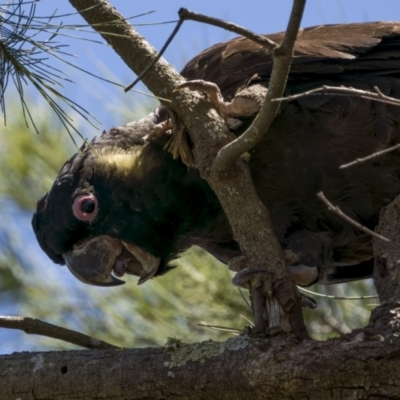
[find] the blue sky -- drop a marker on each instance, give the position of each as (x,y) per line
(260,16)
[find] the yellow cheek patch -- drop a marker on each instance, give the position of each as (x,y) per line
(135,161)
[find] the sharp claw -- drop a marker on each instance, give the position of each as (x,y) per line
(113,281)
(149,263)
(210,89)
(308,302)
(302,275)
(254,276)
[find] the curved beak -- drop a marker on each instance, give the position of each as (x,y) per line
(149,264)
(93,263)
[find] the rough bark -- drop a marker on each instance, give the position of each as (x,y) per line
(362,366)
(387,260)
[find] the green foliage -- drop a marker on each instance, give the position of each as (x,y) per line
(29,162)
(334,317)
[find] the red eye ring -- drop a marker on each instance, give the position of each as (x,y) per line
(85,207)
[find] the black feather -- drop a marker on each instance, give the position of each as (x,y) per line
(158,204)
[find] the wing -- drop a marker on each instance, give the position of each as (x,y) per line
(373,48)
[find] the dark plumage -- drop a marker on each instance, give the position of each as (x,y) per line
(132,208)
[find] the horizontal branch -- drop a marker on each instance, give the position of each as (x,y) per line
(365,365)
(37,327)
(328,296)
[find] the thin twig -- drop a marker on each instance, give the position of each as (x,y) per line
(263,41)
(185,14)
(244,298)
(250,322)
(37,327)
(370,157)
(159,55)
(346,218)
(344,91)
(219,328)
(282,57)
(377,96)
(327,296)
(282,60)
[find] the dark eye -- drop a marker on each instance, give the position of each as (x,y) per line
(88,206)
(85,207)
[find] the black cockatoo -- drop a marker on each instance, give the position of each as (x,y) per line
(124,205)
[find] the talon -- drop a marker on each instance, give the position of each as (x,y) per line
(302,275)
(232,123)
(308,302)
(290,257)
(247,277)
(299,274)
(245,103)
(237,264)
(211,90)
(159,130)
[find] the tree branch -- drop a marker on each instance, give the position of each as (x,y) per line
(37,327)
(169,40)
(370,157)
(361,367)
(387,254)
(263,41)
(344,91)
(336,210)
